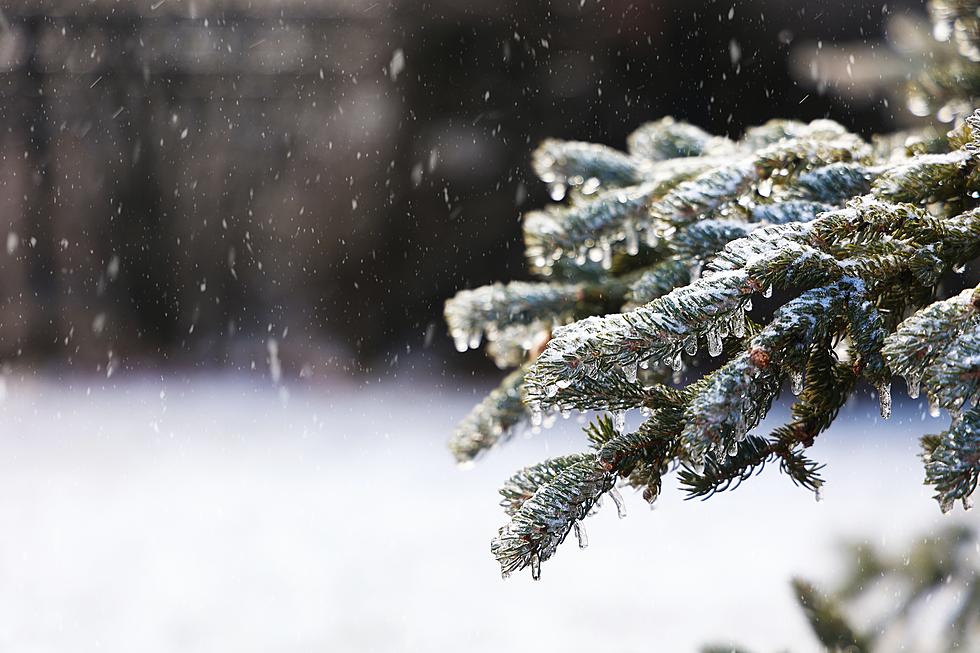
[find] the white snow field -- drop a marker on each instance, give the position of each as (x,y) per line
(211,513)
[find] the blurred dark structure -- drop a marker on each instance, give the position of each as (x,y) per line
(183,180)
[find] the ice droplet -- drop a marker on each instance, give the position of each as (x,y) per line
(557,192)
(946,504)
(632,239)
(738,323)
(536,415)
(796,382)
(606,256)
(913,383)
(714,342)
(767,292)
(817,494)
(618,500)
(630,372)
(535,566)
(933,408)
(748,305)
(581,535)
(549,419)
(691,345)
(885,399)
(619,420)
(475,339)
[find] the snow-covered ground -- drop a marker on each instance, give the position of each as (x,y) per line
(212,513)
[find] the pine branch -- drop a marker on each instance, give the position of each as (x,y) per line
(952,461)
(826,620)
(663,249)
(491,421)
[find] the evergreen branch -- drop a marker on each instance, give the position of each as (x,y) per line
(953,382)
(587,231)
(923,339)
(727,472)
(543,521)
(491,309)
(491,421)
(522,485)
(571,163)
(926,178)
(834,183)
(952,461)
(669,139)
(657,281)
(657,330)
(741,392)
(789,210)
(707,237)
(827,622)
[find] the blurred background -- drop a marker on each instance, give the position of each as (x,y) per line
(183,180)
(227,228)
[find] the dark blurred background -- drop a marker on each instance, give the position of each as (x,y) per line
(184,182)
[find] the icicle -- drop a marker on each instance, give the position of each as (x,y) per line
(767,292)
(817,494)
(738,323)
(619,420)
(691,345)
(618,500)
(630,371)
(632,239)
(885,399)
(933,408)
(535,566)
(581,535)
(694,270)
(946,504)
(796,382)
(714,342)
(723,329)
(698,466)
(536,415)
(913,383)
(549,419)
(675,362)
(606,256)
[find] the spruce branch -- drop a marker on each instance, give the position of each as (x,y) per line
(658,254)
(952,461)
(491,421)
(830,627)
